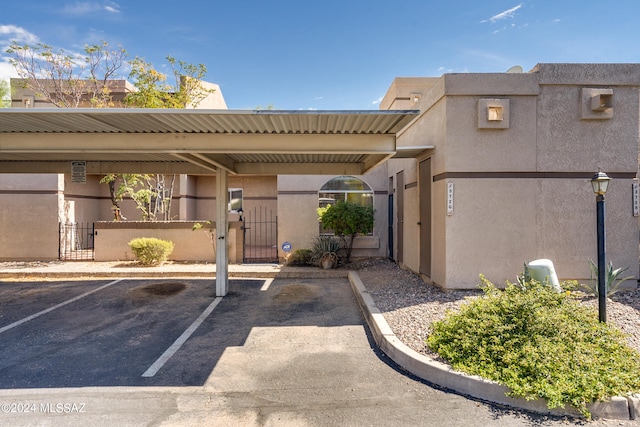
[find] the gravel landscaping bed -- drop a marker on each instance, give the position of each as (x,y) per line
(410,305)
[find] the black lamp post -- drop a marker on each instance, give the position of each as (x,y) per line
(600,183)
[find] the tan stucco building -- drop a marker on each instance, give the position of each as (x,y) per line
(507,179)
(492,171)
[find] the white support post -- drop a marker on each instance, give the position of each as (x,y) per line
(222,255)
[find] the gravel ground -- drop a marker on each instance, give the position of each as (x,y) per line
(410,305)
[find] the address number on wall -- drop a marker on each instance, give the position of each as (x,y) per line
(449,198)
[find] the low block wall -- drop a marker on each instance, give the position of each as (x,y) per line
(111,240)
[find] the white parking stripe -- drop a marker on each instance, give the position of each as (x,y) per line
(266,284)
(50,309)
(157,365)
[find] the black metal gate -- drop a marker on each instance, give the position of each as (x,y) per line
(76,242)
(260,236)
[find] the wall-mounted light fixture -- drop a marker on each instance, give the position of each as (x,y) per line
(596,103)
(28,101)
(493,113)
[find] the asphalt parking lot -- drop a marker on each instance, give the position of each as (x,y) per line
(142,332)
(167,352)
(98,333)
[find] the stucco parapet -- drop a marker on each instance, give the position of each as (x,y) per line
(588,74)
(491,84)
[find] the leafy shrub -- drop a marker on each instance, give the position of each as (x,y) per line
(347,220)
(151,251)
(540,344)
(301,257)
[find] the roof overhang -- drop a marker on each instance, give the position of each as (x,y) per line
(264,142)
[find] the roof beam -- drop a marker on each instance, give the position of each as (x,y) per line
(206,163)
(198,143)
(104,167)
(300,168)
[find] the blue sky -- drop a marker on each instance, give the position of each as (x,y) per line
(332,54)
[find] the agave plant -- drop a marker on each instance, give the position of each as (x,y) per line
(612,282)
(325,251)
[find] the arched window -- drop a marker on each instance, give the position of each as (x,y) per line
(346,189)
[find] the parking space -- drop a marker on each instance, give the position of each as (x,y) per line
(145,332)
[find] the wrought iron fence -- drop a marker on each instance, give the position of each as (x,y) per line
(76,242)
(260,236)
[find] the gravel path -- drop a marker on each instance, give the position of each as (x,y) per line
(410,305)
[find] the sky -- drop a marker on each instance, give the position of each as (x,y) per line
(330,54)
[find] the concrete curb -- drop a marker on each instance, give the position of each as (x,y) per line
(282,273)
(440,374)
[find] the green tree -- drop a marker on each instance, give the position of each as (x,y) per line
(155,91)
(347,220)
(67,80)
(150,193)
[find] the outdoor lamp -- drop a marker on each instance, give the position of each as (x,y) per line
(600,183)
(240,212)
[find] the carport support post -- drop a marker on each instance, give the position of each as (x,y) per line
(222,255)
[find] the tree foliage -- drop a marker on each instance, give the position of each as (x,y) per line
(70,80)
(540,343)
(67,80)
(155,91)
(347,220)
(151,194)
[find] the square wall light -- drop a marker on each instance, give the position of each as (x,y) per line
(493,113)
(596,103)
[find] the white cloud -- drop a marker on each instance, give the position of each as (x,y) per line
(509,13)
(377,101)
(87,7)
(7,70)
(9,33)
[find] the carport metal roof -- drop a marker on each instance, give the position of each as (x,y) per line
(198,141)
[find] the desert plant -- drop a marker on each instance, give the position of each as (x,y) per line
(301,257)
(611,275)
(540,344)
(347,220)
(150,250)
(325,251)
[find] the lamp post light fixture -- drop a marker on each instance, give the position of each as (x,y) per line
(600,184)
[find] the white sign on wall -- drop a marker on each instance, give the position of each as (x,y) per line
(634,191)
(449,198)
(79,172)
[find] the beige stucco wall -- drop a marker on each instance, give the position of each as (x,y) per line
(111,240)
(30,209)
(298,219)
(540,203)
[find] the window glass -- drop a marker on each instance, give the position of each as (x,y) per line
(346,189)
(235,199)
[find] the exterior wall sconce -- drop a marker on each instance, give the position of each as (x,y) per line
(28,102)
(597,103)
(493,113)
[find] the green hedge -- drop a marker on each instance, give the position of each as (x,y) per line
(540,344)
(150,250)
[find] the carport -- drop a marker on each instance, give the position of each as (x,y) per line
(219,142)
